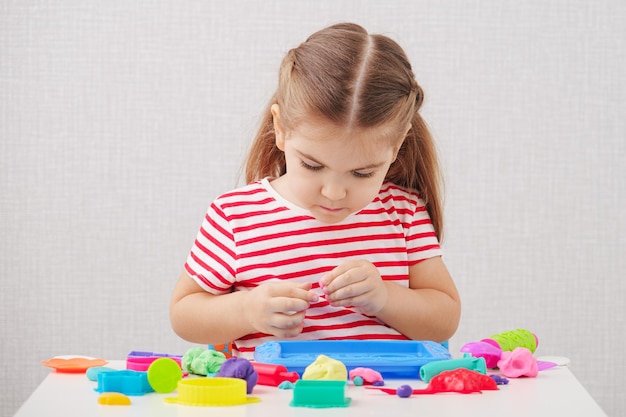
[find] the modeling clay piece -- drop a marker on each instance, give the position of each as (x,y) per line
(215,391)
(113,398)
(201,361)
(404,391)
(164,374)
(92,373)
(285,385)
(326,368)
(432,369)
(500,380)
(240,368)
(520,362)
(460,380)
(73,365)
(320,394)
(367,375)
(273,375)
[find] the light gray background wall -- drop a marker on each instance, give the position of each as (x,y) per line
(121,120)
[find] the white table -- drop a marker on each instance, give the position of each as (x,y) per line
(555,392)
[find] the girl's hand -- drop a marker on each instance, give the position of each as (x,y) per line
(278,308)
(355,283)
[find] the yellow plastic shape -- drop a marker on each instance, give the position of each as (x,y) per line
(212,391)
(164,374)
(113,398)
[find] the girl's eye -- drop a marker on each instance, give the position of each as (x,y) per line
(362,174)
(357,174)
(310,167)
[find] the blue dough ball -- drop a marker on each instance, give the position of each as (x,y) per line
(92,373)
(499,380)
(404,391)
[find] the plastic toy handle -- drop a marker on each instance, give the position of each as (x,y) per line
(485,350)
(272,375)
(432,369)
(481,348)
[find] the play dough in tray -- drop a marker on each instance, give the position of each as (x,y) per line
(392,358)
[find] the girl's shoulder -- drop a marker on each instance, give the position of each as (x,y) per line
(394,195)
(247,191)
(253,195)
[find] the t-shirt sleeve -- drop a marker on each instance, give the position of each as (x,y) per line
(421,240)
(211,261)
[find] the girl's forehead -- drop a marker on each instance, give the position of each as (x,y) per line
(326,142)
(316,130)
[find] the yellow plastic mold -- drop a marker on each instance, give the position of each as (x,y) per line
(208,392)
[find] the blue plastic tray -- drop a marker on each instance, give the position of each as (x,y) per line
(391,358)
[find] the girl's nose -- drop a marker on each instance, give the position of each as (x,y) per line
(333,190)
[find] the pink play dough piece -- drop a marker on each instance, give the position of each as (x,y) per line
(519,362)
(369,375)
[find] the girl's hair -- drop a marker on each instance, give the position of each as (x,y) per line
(351,78)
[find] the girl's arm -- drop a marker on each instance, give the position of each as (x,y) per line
(273,308)
(201,317)
(430,309)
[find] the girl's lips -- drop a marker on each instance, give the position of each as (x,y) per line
(332,210)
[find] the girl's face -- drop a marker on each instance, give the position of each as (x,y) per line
(332,171)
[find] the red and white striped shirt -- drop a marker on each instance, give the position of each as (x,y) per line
(252,235)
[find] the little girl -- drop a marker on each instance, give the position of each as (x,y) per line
(336,235)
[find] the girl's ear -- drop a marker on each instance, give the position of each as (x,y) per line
(397,148)
(278,127)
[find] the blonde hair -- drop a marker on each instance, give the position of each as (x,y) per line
(354,79)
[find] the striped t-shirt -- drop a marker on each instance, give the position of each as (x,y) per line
(252,235)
